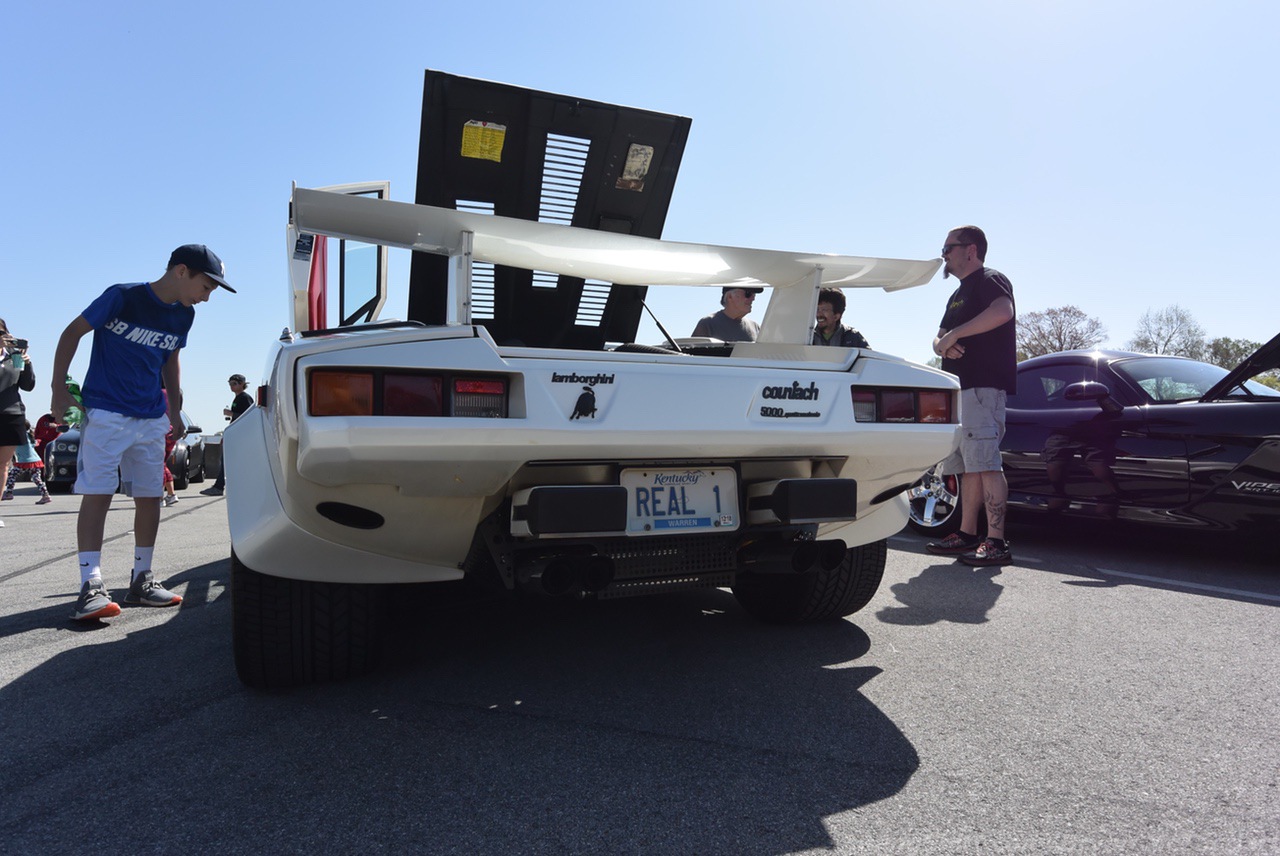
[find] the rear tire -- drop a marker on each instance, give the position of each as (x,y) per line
(288,633)
(816,596)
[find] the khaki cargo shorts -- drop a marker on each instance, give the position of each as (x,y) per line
(977,447)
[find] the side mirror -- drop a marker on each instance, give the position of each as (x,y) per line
(1086,390)
(193,429)
(62,429)
(1092,390)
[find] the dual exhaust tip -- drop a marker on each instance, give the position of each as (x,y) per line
(566,575)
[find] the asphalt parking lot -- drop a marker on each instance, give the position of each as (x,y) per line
(1114,691)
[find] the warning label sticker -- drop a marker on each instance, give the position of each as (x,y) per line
(483,140)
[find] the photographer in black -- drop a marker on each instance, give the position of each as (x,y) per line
(239,405)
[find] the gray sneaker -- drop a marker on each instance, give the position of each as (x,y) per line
(95,602)
(144,590)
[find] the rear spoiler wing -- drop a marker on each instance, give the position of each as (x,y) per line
(607,256)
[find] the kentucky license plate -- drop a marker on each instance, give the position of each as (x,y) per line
(669,501)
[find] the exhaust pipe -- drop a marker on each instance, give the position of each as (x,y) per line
(831,553)
(554,577)
(778,557)
(597,574)
(563,575)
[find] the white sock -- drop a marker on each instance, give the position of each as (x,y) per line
(141,561)
(90,566)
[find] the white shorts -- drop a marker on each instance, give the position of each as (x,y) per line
(124,448)
(981,430)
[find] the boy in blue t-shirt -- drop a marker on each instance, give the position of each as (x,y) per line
(138,329)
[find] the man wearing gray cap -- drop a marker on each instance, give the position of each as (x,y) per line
(138,329)
(730,324)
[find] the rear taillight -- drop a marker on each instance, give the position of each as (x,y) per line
(480,397)
(411,395)
(933,405)
(378,392)
(341,393)
(874,404)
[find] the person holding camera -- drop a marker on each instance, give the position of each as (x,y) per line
(242,402)
(15,374)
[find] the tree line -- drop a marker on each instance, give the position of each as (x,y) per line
(1171,330)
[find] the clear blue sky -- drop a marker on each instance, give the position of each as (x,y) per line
(1120,155)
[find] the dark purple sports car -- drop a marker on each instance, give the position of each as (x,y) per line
(1136,437)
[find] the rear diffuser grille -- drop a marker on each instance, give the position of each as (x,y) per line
(658,564)
(633,588)
(663,556)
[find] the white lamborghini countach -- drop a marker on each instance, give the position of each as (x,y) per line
(500,435)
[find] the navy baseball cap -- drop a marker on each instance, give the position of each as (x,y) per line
(201,258)
(729,288)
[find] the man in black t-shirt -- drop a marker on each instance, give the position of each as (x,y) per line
(976,341)
(239,405)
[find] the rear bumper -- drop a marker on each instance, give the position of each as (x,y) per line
(266,539)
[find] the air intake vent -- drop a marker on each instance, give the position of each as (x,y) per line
(562,168)
(595,295)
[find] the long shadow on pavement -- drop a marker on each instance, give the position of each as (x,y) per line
(672,724)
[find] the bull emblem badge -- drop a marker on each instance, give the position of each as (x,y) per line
(586,405)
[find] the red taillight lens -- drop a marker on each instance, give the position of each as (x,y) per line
(481,387)
(341,393)
(901,405)
(935,406)
(480,397)
(897,405)
(411,395)
(383,392)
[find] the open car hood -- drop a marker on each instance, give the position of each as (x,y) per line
(1264,359)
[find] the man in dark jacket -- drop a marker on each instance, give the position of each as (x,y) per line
(830,330)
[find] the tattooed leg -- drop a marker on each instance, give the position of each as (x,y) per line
(996,498)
